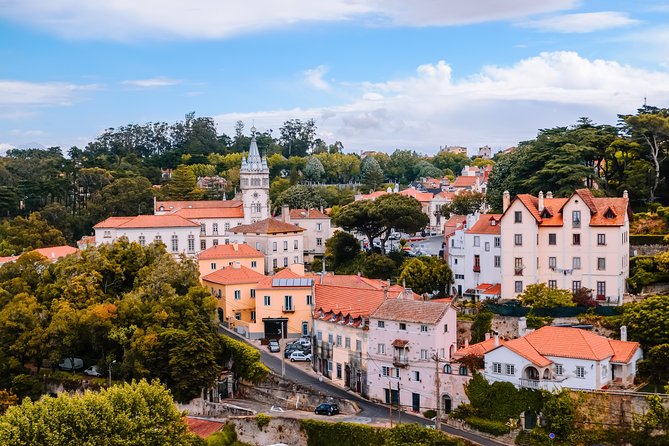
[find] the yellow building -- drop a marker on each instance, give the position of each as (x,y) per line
(222,256)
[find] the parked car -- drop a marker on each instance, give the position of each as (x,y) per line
(290,348)
(70,364)
(274,346)
(327,409)
(300,356)
(92,371)
(305,342)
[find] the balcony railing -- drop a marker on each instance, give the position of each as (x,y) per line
(400,361)
(288,309)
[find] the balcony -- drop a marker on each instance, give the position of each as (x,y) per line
(545,384)
(477,268)
(400,361)
(600,297)
(290,309)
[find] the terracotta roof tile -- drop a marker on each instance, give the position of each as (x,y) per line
(405,310)
(216,212)
(478,349)
(623,351)
(203,428)
(423,197)
(487,224)
(464,181)
(522,347)
(52,253)
(373,195)
(299,214)
(346,280)
(146,221)
(229,251)
(196,204)
(267,226)
(400,343)
(494,290)
(231,275)
(354,302)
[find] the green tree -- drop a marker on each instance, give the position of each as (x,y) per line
(313,170)
(454,162)
(399,213)
(427,275)
(647,321)
(559,411)
(541,296)
(361,216)
(376,266)
(131,414)
(372,175)
(182,185)
(21,234)
(424,169)
(654,365)
(300,196)
(341,249)
(464,203)
(125,196)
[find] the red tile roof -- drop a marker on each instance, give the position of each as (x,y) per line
(405,310)
(286,273)
(347,280)
(267,226)
(623,351)
(52,253)
(478,349)
(229,251)
(487,224)
(373,195)
(464,181)
(400,343)
(423,197)
(231,275)
(453,224)
(494,290)
(199,204)
(146,221)
(203,428)
(220,212)
(354,302)
(299,214)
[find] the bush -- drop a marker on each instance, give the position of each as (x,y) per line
(429,414)
(262,420)
(463,411)
(322,433)
(647,239)
(496,428)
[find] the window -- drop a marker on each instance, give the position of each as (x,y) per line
(498,261)
(403,326)
(159,238)
(274,263)
(575,219)
(445,328)
(576,262)
(601,239)
(296,245)
(253,316)
(338,371)
(552,239)
(423,328)
(447,369)
(238,294)
(415,375)
(381,349)
(227,226)
(487,246)
(310,299)
(358,345)
(559,370)
(213,266)
(319,242)
(552,284)
(496,367)
(576,239)
(518,217)
(253,294)
(477,263)
(319,226)
(203,245)
(477,240)
(267,300)
(552,262)
(518,266)
(381,324)
(463,370)
(510,369)
(175,243)
(601,290)
(254,264)
(258,246)
(338,343)
(498,242)
(215,228)
(518,239)
(395,373)
(385,371)
(238,316)
(575,286)
(601,263)
(580,371)
(296,259)
(518,286)
(274,246)
(319,335)
(330,338)
(191,243)
(215,242)
(423,355)
(285,245)
(142,240)
(288,303)
(347,343)
(285,262)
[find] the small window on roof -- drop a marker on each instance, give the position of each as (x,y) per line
(609,213)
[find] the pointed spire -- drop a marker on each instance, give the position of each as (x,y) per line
(254,162)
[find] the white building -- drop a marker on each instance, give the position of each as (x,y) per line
(567,243)
(254,182)
(475,257)
(405,339)
(552,358)
(317,229)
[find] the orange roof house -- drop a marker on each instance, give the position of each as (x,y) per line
(52,253)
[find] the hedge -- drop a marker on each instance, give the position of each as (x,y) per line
(648,239)
(496,428)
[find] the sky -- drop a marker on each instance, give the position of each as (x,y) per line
(373,74)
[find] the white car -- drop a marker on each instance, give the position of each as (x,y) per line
(92,371)
(300,356)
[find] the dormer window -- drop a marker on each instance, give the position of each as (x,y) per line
(546,213)
(493,222)
(609,214)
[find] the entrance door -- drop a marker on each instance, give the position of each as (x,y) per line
(447,404)
(275,328)
(415,402)
(392,397)
(347,375)
(220,314)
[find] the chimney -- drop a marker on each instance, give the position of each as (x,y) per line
(506,200)
(623,333)
(487,336)
(235,246)
(541,201)
(385,293)
(625,195)
(496,340)
(522,327)
(285,213)
(466,342)
(549,194)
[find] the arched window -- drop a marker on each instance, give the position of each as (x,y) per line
(447,369)
(463,370)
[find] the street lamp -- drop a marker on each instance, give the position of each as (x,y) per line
(110,371)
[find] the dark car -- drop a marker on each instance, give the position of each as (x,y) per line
(327,409)
(273,346)
(290,348)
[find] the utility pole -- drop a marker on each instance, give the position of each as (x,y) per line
(390,400)
(283,353)
(399,406)
(437,420)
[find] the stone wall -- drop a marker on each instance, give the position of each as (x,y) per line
(647,250)
(279,430)
(611,407)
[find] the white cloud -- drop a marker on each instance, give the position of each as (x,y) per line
(155,82)
(4,147)
(19,93)
(314,77)
(581,23)
(214,19)
(499,106)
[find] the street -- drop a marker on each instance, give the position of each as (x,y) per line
(370,412)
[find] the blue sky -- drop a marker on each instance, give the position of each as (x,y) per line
(374,74)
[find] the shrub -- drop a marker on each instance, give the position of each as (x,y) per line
(496,428)
(429,414)
(647,239)
(262,420)
(322,433)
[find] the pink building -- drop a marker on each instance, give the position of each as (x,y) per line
(406,339)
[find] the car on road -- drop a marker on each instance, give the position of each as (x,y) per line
(273,346)
(305,342)
(92,371)
(300,356)
(71,364)
(327,409)
(290,348)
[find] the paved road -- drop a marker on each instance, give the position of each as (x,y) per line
(376,412)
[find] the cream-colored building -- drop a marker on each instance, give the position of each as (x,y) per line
(280,242)
(568,243)
(222,256)
(317,229)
